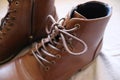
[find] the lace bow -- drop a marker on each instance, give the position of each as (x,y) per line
(56,29)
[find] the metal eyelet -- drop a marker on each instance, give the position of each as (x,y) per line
(53,62)
(77,25)
(58,56)
(17,3)
(4,24)
(47,68)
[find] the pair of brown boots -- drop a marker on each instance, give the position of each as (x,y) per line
(67,46)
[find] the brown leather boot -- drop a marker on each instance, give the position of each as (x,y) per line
(72,43)
(23,24)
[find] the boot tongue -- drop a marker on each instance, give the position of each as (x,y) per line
(78,15)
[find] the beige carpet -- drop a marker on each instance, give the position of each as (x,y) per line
(107,65)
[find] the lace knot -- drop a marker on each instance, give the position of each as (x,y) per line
(56,30)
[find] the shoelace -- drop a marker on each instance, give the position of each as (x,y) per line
(7,20)
(56,29)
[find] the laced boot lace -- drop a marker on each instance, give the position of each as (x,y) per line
(56,29)
(7,21)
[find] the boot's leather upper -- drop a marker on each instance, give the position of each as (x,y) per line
(15,28)
(22,25)
(42,8)
(71,44)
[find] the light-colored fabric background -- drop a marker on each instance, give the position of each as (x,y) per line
(107,65)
